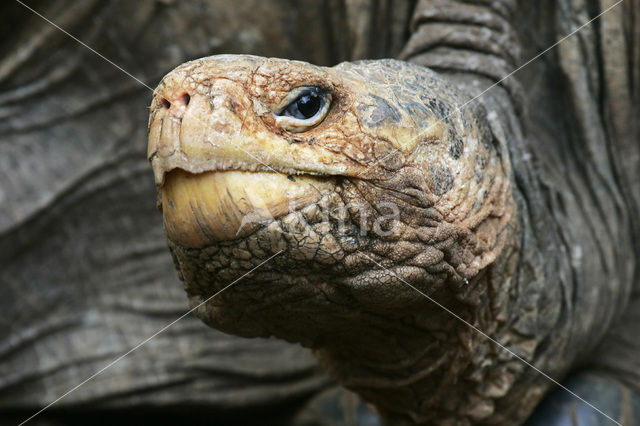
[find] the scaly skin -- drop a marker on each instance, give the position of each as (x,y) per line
(339,286)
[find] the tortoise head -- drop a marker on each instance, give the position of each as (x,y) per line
(361,178)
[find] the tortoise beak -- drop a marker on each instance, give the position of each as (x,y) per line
(201,209)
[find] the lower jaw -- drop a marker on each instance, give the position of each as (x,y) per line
(202,209)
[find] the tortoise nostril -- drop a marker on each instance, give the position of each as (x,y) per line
(176,104)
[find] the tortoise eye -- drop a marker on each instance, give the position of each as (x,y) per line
(306,105)
(304,108)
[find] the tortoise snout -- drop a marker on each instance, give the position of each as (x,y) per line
(176,101)
(196,120)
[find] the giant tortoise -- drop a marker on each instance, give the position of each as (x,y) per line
(517,212)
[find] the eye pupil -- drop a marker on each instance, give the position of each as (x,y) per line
(305,107)
(309,104)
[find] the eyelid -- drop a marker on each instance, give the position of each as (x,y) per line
(295,125)
(291,96)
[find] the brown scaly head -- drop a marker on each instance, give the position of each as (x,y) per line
(362,178)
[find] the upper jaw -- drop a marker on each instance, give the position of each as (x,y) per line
(216,126)
(163,165)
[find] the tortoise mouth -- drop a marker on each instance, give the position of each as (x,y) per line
(200,209)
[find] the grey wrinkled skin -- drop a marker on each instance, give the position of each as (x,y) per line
(84,270)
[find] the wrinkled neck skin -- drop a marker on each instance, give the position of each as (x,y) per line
(406,354)
(427,366)
(420,361)
(425,360)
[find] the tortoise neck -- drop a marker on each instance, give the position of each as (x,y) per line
(435,363)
